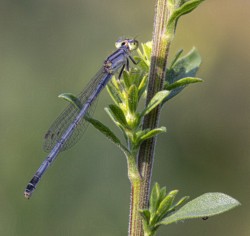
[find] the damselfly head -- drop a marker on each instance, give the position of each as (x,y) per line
(131,44)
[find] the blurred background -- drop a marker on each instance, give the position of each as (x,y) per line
(51,47)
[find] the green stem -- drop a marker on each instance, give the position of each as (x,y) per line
(135,180)
(134,218)
(140,192)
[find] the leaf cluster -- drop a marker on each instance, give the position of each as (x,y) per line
(163,211)
(161,205)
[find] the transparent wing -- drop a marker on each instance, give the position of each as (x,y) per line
(61,124)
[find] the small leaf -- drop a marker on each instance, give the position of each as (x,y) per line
(118,114)
(106,131)
(112,117)
(72,99)
(126,79)
(189,6)
(165,204)
(110,114)
(155,101)
(163,193)
(154,199)
(115,82)
(185,8)
(143,85)
(147,49)
(145,213)
(179,203)
(153,133)
(186,66)
(132,98)
(207,205)
(144,56)
(183,82)
(113,93)
(178,54)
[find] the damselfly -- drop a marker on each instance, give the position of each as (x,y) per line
(64,132)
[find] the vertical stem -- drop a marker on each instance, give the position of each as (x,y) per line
(146,153)
(135,181)
(134,217)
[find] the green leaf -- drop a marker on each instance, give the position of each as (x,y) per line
(155,101)
(69,97)
(115,82)
(182,82)
(178,54)
(132,98)
(163,193)
(188,6)
(208,204)
(107,132)
(144,56)
(126,79)
(118,114)
(179,203)
(185,67)
(143,85)
(165,204)
(185,8)
(154,199)
(147,49)
(112,117)
(145,213)
(153,133)
(113,93)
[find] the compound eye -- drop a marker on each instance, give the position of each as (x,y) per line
(118,44)
(133,45)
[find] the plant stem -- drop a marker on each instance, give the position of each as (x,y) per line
(140,190)
(135,181)
(134,218)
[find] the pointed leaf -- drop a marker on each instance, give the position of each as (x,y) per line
(110,114)
(188,6)
(165,204)
(113,93)
(163,193)
(115,83)
(155,101)
(178,12)
(132,99)
(118,114)
(183,82)
(136,76)
(69,97)
(179,203)
(143,85)
(147,49)
(208,204)
(178,54)
(154,199)
(144,56)
(126,79)
(186,66)
(153,133)
(106,131)
(145,213)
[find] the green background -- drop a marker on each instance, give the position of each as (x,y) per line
(50,47)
